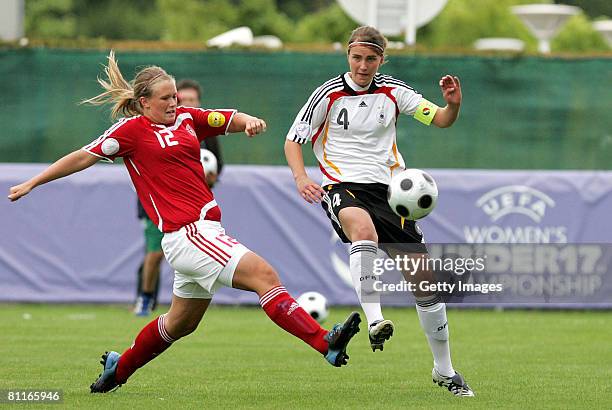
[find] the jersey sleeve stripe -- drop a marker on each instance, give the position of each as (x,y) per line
(106,134)
(299,140)
(318,91)
(229,122)
(97,155)
(382,79)
(319,95)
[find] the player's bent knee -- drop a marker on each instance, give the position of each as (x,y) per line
(363,233)
(267,276)
(189,328)
(255,274)
(181,328)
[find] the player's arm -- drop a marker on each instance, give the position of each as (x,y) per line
(71,163)
(247,123)
(451,91)
(300,133)
(308,189)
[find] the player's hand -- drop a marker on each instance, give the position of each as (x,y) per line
(18,191)
(254,126)
(451,89)
(309,190)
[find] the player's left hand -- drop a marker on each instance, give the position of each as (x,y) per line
(18,191)
(254,126)
(451,89)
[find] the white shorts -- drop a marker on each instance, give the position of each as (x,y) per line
(204,258)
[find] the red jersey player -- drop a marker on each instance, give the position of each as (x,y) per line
(159,142)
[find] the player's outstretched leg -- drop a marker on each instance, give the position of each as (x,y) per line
(255,274)
(455,384)
(182,319)
(283,310)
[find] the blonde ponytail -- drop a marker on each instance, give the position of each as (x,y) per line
(125,95)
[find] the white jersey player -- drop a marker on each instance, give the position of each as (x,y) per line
(350,121)
(352,128)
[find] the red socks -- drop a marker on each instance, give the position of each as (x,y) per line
(287,314)
(153,339)
(150,342)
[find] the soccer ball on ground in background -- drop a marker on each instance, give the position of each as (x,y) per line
(315,304)
(412,194)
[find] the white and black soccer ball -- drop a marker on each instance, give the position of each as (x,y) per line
(209,161)
(315,304)
(412,194)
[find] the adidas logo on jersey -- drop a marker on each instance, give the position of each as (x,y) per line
(363,104)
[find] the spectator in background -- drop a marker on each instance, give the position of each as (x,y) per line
(189,94)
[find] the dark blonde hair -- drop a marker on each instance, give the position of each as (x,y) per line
(369,34)
(125,95)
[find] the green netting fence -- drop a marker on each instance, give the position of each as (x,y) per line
(518,112)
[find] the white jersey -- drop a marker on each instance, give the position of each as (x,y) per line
(353,129)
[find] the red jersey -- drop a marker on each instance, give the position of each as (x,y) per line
(164,163)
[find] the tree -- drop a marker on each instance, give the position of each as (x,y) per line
(50,18)
(462,22)
(327,25)
(190,20)
(263,17)
(578,35)
(117,19)
(297,9)
(592,8)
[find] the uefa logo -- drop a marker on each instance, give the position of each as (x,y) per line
(515,199)
(528,206)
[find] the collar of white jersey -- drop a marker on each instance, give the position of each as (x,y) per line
(354,85)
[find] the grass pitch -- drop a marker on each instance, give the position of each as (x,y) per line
(240,359)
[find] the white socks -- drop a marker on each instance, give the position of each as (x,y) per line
(432,315)
(361,259)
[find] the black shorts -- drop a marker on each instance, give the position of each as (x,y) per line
(390,227)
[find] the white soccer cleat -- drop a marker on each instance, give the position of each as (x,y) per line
(455,384)
(380,331)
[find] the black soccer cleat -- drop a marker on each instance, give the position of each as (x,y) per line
(455,384)
(380,331)
(106,380)
(339,338)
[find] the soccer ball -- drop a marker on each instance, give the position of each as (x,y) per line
(209,161)
(315,304)
(412,194)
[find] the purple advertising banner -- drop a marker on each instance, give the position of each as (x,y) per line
(78,239)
